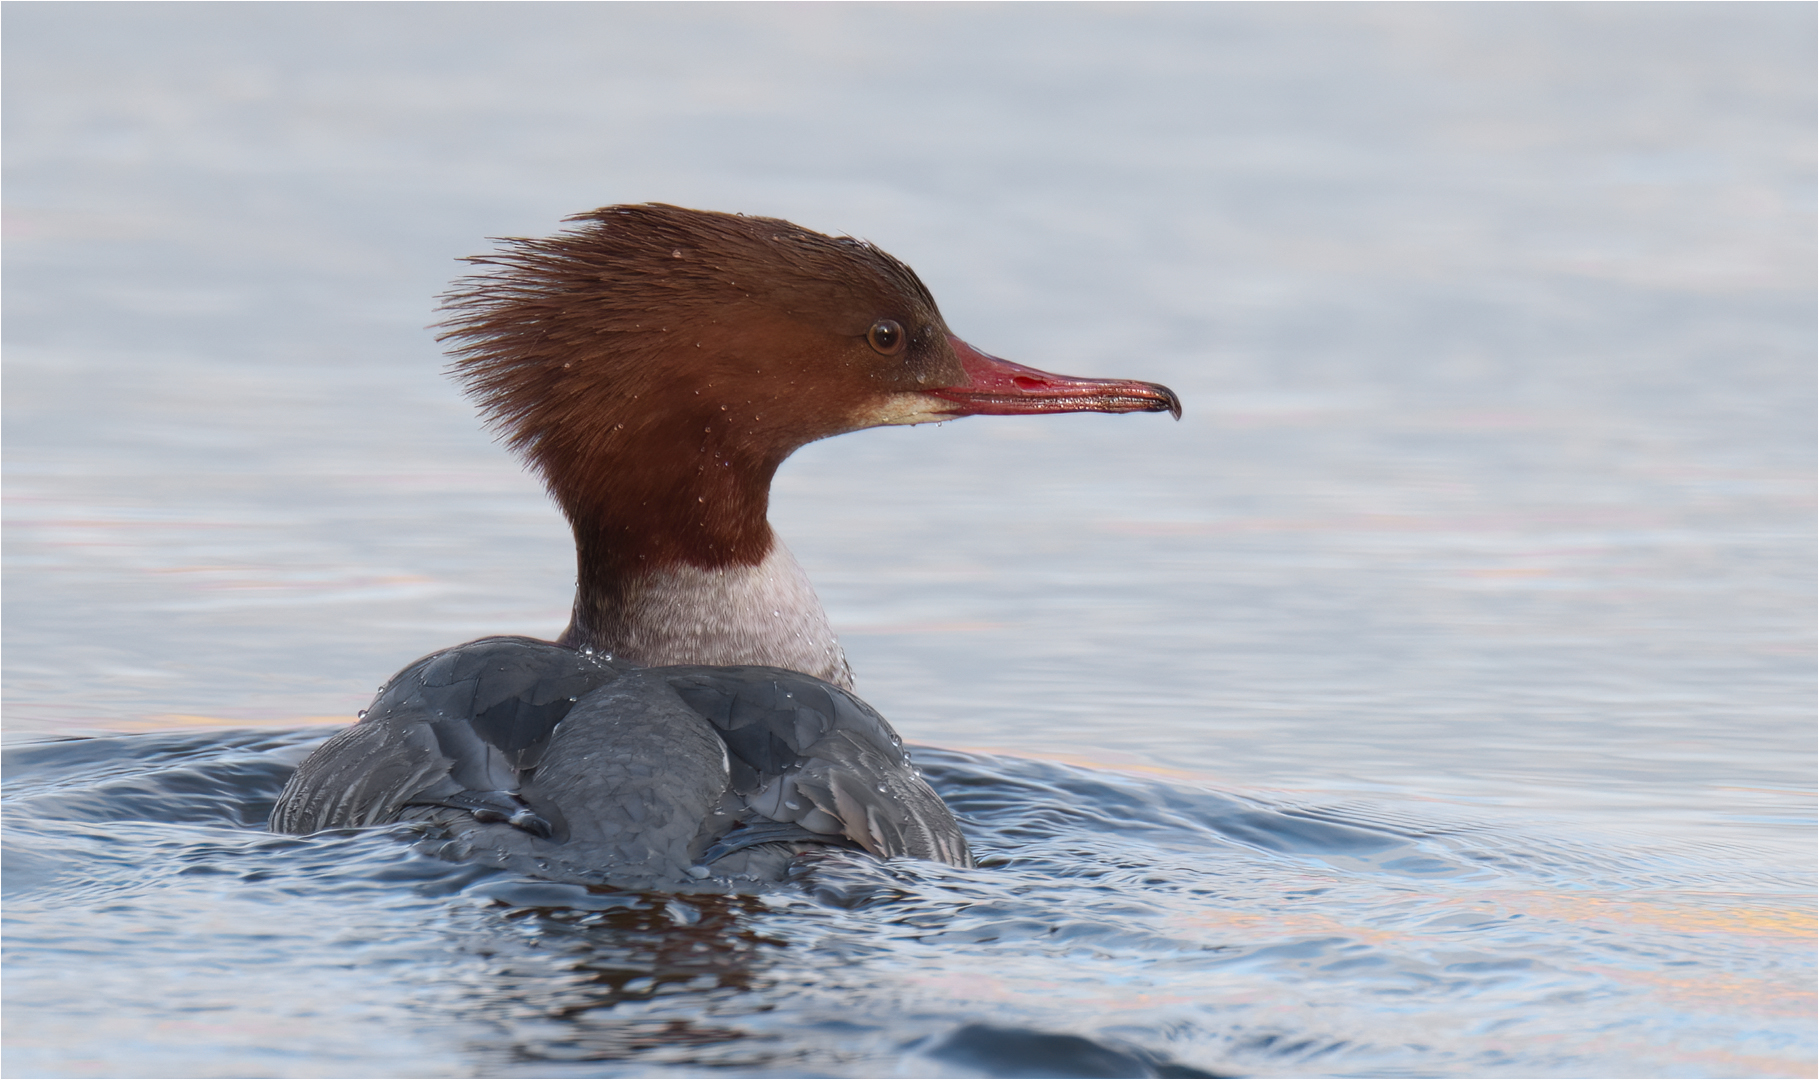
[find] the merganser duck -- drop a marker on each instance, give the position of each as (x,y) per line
(695,723)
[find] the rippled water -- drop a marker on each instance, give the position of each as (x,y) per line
(1436,698)
(1145,912)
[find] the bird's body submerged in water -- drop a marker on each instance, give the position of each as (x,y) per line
(695,722)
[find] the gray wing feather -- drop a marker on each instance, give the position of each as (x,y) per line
(456,728)
(881,804)
(362,776)
(555,762)
(805,752)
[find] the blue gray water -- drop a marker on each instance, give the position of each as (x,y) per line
(1436,698)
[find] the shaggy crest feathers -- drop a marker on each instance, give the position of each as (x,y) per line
(522,328)
(657,364)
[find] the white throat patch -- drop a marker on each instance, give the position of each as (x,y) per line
(764,614)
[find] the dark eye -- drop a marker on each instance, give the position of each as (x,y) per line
(886,336)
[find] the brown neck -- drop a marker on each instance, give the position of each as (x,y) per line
(646,505)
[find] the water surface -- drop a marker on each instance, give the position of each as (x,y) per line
(1435,698)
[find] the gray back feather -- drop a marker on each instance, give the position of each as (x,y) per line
(566,765)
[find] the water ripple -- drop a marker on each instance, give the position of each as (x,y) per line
(1116,926)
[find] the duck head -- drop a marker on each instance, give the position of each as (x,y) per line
(657,364)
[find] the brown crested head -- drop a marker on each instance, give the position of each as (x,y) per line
(650,353)
(656,364)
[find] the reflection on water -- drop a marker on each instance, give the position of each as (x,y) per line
(1435,697)
(1142,913)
